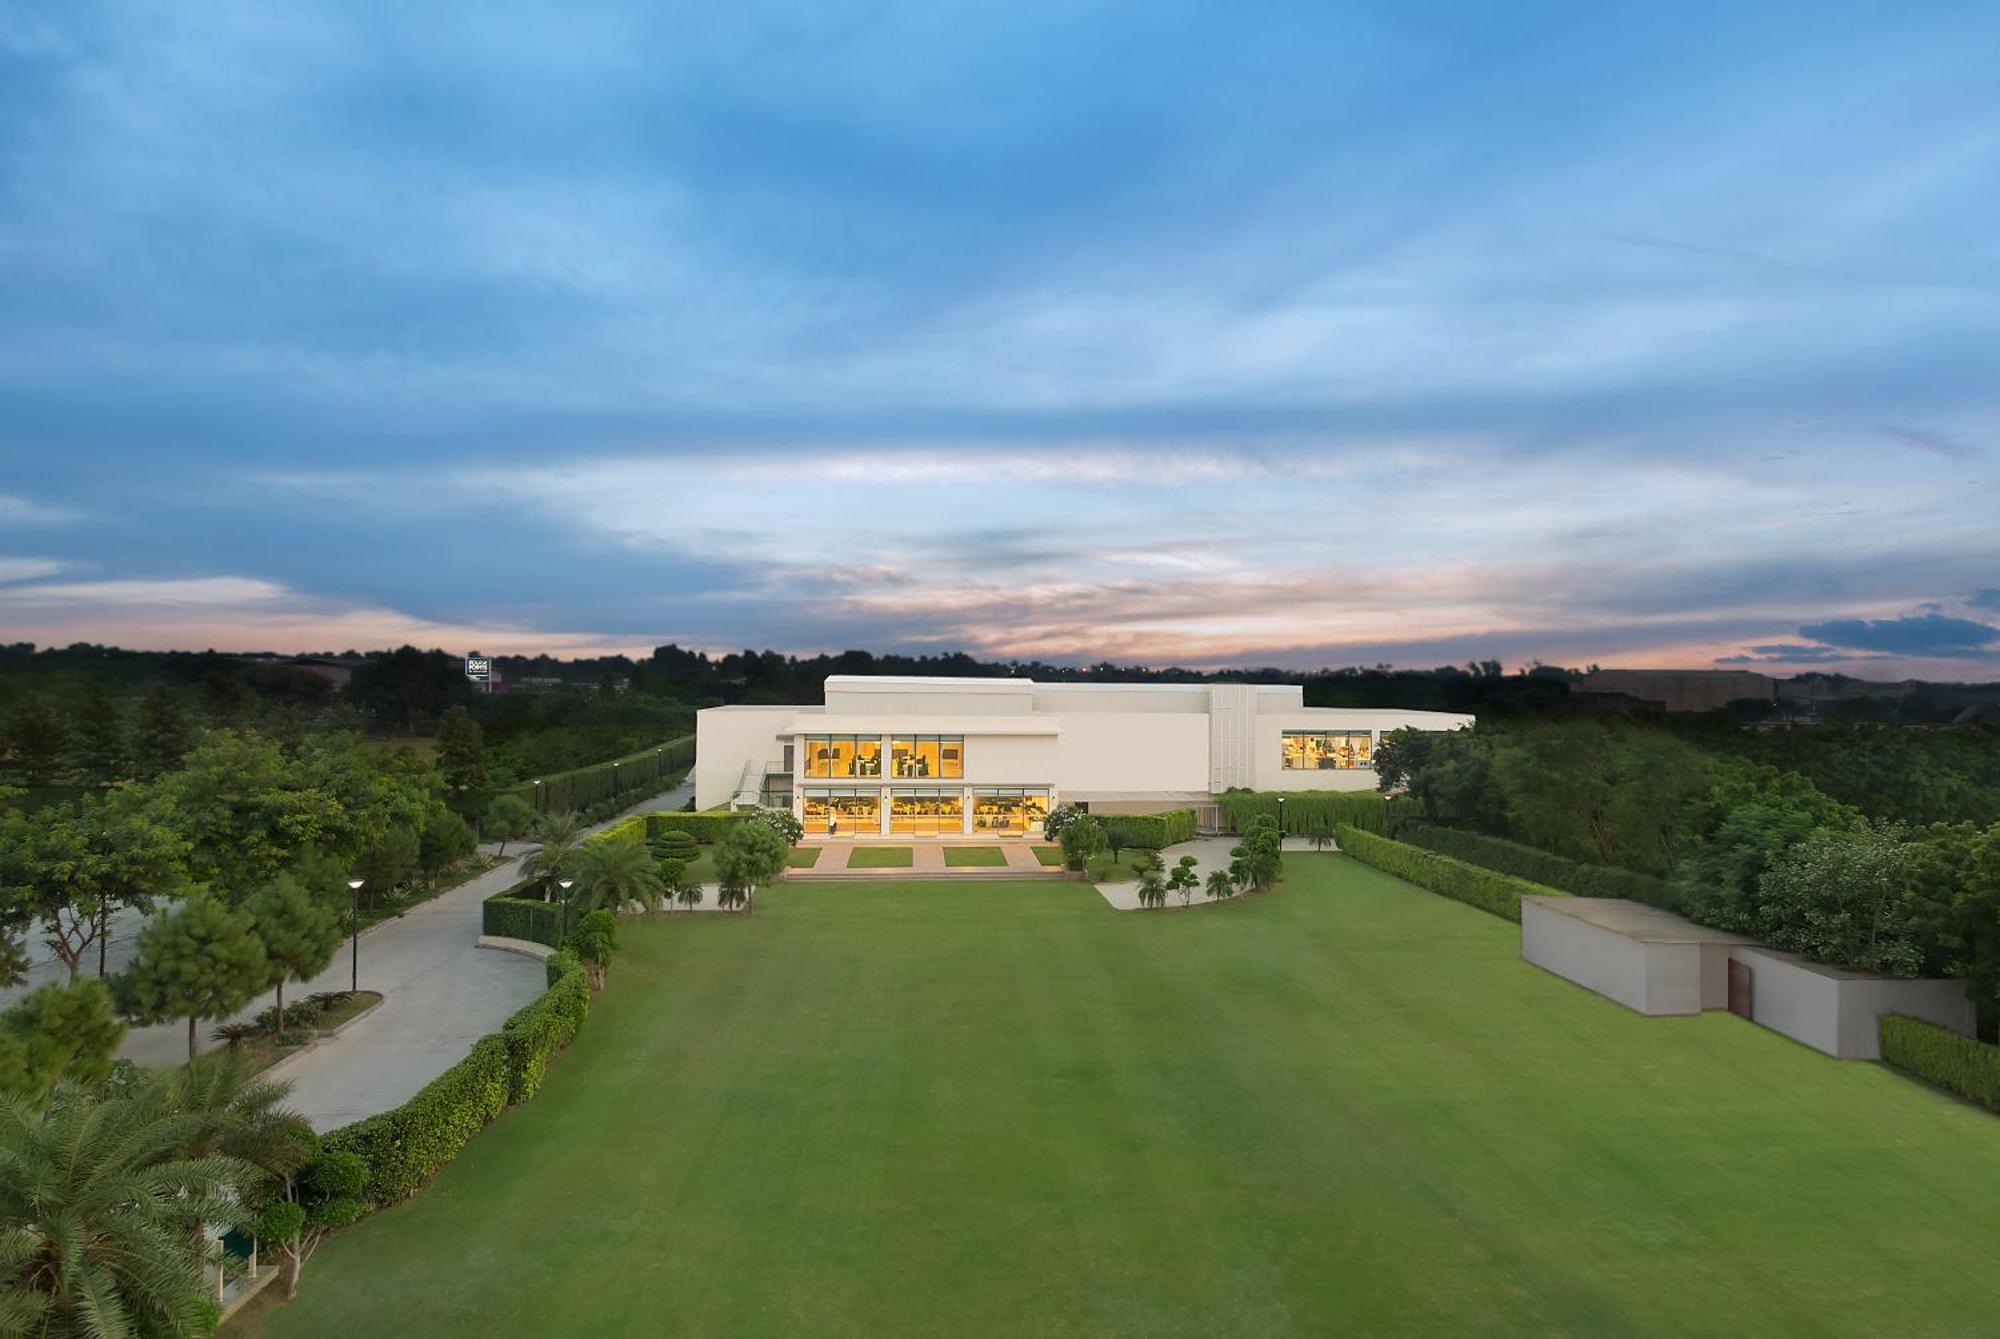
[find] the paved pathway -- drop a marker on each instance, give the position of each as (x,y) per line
(1209,853)
(440,994)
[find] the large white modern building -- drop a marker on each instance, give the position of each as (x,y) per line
(990,757)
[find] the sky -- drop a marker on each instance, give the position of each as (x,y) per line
(1281,334)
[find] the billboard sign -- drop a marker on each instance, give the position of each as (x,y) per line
(479,668)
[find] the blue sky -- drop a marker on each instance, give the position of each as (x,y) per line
(1294,334)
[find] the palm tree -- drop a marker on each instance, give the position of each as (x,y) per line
(558,835)
(1219,885)
(687,891)
(231,1112)
(105,1216)
(612,873)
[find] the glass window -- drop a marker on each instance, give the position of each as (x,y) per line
(1324,750)
(928,756)
(842,811)
(1009,812)
(843,755)
(926,812)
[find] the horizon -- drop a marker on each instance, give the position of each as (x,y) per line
(1307,338)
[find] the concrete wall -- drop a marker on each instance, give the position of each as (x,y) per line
(726,738)
(1115,751)
(1647,977)
(1837,1012)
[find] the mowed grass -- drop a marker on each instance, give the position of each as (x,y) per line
(879,857)
(1342,1107)
(802,857)
(985,857)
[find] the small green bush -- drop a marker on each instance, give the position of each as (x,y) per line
(1538,866)
(674,843)
(406,1147)
(1486,889)
(1306,811)
(536,1033)
(1940,1056)
(1151,832)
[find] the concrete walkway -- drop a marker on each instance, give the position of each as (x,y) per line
(440,993)
(1209,853)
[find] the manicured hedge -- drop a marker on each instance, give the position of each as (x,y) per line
(512,914)
(1306,810)
(1940,1056)
(705,827)
(1536,866)
(537,1032)
(1151,832)
(1486,889)
(406,1147)
(647,772)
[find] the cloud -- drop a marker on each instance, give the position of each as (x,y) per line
(1988,598)
(1912,635)
(24,511)
(27,569)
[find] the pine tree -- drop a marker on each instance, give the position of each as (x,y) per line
(165,734)
(199,960)
(299,934)
(38,739)
(100,740)
(461,752)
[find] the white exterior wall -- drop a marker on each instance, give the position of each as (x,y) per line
(725,739)
(1132,752)
(1838,1012)
(1648,977)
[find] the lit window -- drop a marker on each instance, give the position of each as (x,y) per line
(1328,750)
(843,755)
(1012,811)
(842,811)
(927,756)
(926,812)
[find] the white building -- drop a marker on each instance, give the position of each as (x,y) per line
(992,756)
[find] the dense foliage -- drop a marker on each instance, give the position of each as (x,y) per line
(540,1030)
(407,1146)
(1536,866)
(1305,812)
(1487,889)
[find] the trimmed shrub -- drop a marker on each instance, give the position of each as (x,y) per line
(406,1147)
(706,827)
(1486,889)
(1940,1056)
(584,789)
(508,915)
(1538,866)
(1151,832)
(1307,810)
(674,844)
(536,1033)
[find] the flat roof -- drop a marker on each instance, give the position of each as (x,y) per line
(924,725)
(1636,920)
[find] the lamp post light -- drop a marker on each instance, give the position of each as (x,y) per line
(538,795)
(1281,819)
(565,885)
(354,922)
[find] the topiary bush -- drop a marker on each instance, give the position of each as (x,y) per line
(538,1032)
(1486,889)
(675,844)
(1940,1056)
(406,1147)
(1538,866)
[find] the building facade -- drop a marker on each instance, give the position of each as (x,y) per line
(991,757)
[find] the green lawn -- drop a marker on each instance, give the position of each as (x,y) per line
(1343,1107)
(1049,855)
(879,857)
(981,856)
(802,857)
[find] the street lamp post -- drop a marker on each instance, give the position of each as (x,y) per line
(565,885)
(1281,818)
(538,795)
(354,922)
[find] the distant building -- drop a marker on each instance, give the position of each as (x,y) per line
(1680,690)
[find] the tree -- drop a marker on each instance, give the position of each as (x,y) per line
(1058,819)
(749,854)
(594,940)
(1219,884)
(1082,838)
(1116,838)
(445,840)
(1322,835)
(299,934)
(609,873)
(1183,879)
(102,753)
(326,1195)
(1152,888)
(38,738)
(199,960)
(461,756)
(58,1031)
(509,818)
(1258,859)
(558,834)
(685,888)
(1843,897)
(1761,814)
(73,867)
(104,1217)
(165,734)
(388,863)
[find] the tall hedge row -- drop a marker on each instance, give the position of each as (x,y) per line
(521,918)
(1942,1057)
(1305,811)
(708,826)
(538,1031)
(1151,832)
(646,772)
(408,1146)
(1486,889)
(1537,866)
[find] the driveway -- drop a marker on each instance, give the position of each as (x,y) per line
(440,994)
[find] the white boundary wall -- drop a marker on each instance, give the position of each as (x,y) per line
(1838,1012)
